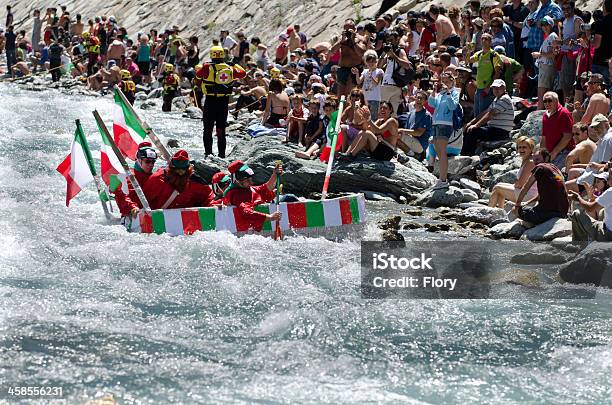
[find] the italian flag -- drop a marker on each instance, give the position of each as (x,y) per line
(78,167)
(331,133)
(127,131)
(110,166)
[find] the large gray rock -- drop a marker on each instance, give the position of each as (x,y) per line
(468,196)
(533,126)
(194,113)
(508,230)
(458,165)
(592,266)
(445,197)
(471,185)
(549,230)
(504,177)
(303,177)
(482,215)
(180,103)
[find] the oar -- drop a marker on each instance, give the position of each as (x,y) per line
(332,152)
(126,168)
(277,231)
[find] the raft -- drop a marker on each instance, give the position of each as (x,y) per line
(331,217)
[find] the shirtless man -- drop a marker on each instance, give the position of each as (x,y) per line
(351,54)
(115,51)
(252,97)
(580,156)
(598,102)
(445,31)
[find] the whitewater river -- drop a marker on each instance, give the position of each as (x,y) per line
(218,319)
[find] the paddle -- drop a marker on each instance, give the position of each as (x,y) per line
(277,230)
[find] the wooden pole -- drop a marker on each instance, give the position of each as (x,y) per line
(126,168)
(162,149)
(332,152)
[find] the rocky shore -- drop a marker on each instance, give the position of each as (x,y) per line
(461,209)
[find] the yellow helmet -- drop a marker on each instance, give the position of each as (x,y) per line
(275,73)
(217,52)
(125,74)
(197,67)
(86,35)
(168,67)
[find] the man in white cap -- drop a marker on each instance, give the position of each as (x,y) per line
(494,124)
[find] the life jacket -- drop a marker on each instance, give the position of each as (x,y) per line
(93,45)
(171,82)
(55,51)
(128,86)
(219,81)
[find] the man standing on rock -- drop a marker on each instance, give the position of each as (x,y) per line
(351,53)
(445,31)
(217,85)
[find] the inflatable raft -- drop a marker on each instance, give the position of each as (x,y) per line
(333,217)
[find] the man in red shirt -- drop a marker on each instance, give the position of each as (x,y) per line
(242,194)
(129,204)
(557,125)
(552,195)
(220,183)
(177,186)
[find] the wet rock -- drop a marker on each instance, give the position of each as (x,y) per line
(443,227)
(508,230)
(142,89)
(193,113)
(141,95)
(390,222)
(552,257)
(468,196)
(592,266)
(392,235)
(549,230)
(471,204)
(148,104)
(156,93)
(445,197)
(415,212)
(374,196)
(482,215)
(173,143)
(499,221)
(412,225)
(180,103)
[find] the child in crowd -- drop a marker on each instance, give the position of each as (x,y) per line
(316,129)
(296,119)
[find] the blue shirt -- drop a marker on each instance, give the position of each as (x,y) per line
(536,35)
(421,119)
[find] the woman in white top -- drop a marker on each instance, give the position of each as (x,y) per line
(503,192)
(370,80)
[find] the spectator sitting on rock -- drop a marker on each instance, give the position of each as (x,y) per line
(503,192)
(277,105)
(494,124)
(552,199)
(584,228)
(315,133)
(380,140)
(296,120)
(581,155)
(355,118)
(557,126)
(596,103)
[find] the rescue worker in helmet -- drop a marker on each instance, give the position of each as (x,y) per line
(171,83)
(92,48)
(220,182)
(126,198)
(217,85)
(196,84)
(128,87)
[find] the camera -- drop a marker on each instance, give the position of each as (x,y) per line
(387,47)
(348,35)
(585,27)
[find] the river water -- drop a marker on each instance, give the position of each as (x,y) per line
(214,318)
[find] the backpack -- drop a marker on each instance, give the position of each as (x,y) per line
(401,76)
(458,117)
(502,73)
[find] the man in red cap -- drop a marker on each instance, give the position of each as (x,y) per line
(220,182)
(129,204)
(177,186)
(242,194)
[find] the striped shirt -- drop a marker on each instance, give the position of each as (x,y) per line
(504,119)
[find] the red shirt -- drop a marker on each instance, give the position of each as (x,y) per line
(555,126)
(246,199)
(158,190)
(127,203)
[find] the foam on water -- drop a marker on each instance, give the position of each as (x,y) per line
(216,318)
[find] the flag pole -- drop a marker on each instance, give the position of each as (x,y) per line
(162,149)
(92,168)
(332,152)
(126,168)
(277,230)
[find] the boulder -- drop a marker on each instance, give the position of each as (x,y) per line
(391,235)
(482,215)
(181,102)
(532,127)
(591,266)
(504,177)
(193,113)
(458,165)
(374,196)
(471,185)
(303,177)
(444,197)
(390,222)
(508,230)
(468,196)
(499,169)
(549,230)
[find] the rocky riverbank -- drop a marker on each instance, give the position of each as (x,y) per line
(460,210)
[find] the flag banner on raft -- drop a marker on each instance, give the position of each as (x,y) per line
(78,166)
(331,133)
(109,164)
(127,132)
(298,215)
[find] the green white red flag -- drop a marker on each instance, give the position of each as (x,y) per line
(127,131)
(110,166)
(78,167)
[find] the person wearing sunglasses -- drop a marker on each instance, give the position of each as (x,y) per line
(125,196)
(557,125)
(578,159)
